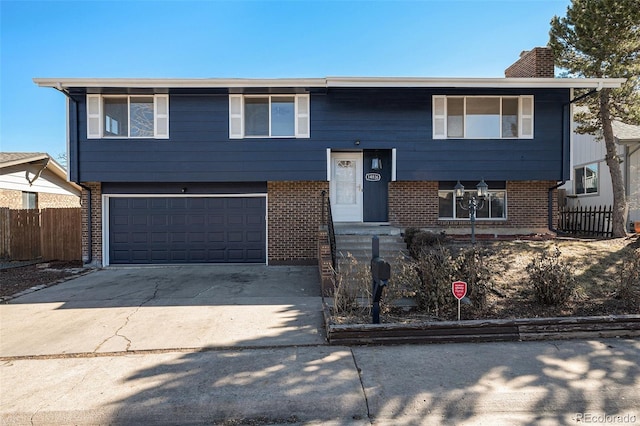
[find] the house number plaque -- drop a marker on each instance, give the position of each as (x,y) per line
(372,177)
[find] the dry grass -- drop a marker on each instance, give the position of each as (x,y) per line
(596,265)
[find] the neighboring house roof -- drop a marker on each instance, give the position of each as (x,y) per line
(327,82)
(626,133)
(12,160)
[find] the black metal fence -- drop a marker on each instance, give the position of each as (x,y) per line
(593,221)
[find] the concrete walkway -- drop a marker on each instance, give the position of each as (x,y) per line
(244,345)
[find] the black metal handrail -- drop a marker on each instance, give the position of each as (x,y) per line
(327,220)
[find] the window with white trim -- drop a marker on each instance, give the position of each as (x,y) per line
(128,116)
(482,117)
(586,179)
(268,116)
(494,208)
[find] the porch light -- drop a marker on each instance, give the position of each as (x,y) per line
(483,189)
(474,204)
(376,164)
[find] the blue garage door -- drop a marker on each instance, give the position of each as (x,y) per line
(157,230)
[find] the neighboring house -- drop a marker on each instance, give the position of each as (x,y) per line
(590,184)
(34,180)
(232,170)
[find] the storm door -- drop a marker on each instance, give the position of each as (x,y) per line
(346,186)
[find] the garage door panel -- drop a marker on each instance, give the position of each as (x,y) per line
(254,237)
(187,229)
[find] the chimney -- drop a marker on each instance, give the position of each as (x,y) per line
(536,63)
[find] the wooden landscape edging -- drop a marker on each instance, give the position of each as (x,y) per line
(482,330)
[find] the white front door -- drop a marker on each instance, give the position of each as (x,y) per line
(346,186)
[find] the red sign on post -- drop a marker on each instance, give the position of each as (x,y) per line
(459,289)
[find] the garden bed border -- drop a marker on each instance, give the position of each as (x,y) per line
(490,330)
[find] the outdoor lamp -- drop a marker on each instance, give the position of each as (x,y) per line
(376,164)
(458,190)
(483,189)
(474,203)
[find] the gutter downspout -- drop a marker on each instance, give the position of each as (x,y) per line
(566,150)
(89,258)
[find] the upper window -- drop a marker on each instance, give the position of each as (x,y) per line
(136,116)
(482,117)
(268,116)
(586,179)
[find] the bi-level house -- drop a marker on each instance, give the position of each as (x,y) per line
(232,170)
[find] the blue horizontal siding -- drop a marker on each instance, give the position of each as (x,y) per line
(199,149)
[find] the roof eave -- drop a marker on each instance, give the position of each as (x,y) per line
(65,83)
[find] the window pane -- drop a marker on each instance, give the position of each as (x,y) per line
(509,117)
(455,120)
(282,116)
(460,212)
(115,117)
(256,113)
(445,204)
(497,204)
(483,212)
(579,180)
(141,117)
(591,178)
(483,117)
(29,200)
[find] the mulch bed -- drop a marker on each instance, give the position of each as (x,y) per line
(14,280)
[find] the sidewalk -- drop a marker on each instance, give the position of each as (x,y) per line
(244,345)
(457,384)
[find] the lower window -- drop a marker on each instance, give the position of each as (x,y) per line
(451,207)
(29,200)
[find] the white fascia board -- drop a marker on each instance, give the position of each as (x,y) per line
(475,82)
(594,83)
(64,83)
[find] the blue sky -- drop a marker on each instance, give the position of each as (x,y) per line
(270,39)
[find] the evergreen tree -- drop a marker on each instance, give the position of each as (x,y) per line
(601,38)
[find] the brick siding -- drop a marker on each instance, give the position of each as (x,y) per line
(96,224)
(415,204)
(54,201)
(537,62)
(294,215)
(12,199)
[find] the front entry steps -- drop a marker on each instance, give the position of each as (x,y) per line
(353,241)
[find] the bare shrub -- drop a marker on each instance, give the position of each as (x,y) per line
(629,275)
(553,282)
(472,268)
(352,295)
(435,270)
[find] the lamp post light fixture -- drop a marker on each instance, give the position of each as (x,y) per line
(474,204)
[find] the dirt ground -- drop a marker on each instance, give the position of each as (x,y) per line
(595,265)
(15,279)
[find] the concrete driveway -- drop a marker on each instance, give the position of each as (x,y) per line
(168,307)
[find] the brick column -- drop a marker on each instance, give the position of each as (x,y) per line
(95,245)
(294,214)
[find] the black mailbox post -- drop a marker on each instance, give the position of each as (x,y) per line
(381,272)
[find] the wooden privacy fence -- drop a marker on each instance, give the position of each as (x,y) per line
(48,234)
(587,221)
